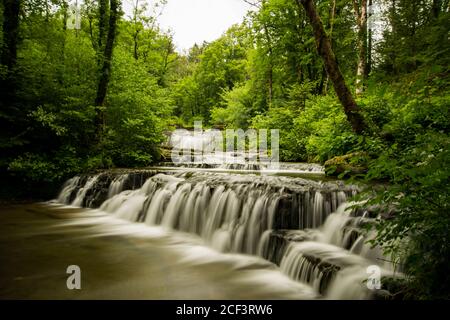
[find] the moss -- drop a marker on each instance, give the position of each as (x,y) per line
(347,165)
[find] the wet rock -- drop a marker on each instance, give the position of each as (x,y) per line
(279,239)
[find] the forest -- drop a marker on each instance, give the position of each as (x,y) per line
(360,86)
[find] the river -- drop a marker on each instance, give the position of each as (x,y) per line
(187,233)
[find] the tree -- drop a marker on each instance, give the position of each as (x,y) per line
(268,40)
(105,71)
(323,44)
(360,11)
(11,9)
(217,67)
(369,40)
(10,129)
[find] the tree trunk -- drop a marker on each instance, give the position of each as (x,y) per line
(333,13)
(436,8)
(136,31)
(361,21)
(102,22)
(392,18)
(10,29)
(351,109)
(65,12)
(270,69)
(166,62)
(135,39)
(369,42)
(105,71)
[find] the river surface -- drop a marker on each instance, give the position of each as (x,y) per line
(119,260)
(187,233)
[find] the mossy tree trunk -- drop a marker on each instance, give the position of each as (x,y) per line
(323,44)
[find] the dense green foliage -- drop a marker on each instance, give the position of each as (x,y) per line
(49,128)
(263,73)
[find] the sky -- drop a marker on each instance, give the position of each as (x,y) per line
(195,21)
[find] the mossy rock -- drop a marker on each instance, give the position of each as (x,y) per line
(166,153)
(347,165)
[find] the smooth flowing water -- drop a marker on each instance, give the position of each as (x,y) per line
(302,227)
(122,260)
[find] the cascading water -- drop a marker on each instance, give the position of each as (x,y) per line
(117,185)
(300,224)
(68,188)
(243,165)
(81,194)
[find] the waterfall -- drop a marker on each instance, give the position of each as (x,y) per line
(68,188)
(316,263)
(81,194)
(302,225)
(241,164)
(117,185)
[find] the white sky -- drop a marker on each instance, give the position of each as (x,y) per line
(195,21)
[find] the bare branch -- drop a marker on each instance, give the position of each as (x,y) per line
(255,3)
